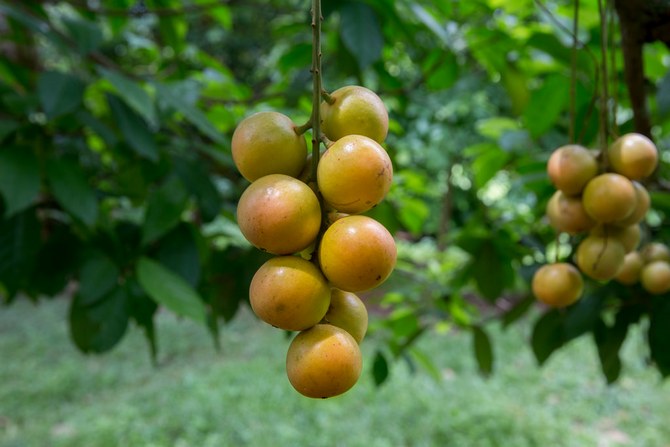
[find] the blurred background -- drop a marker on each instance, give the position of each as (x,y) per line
(125,279)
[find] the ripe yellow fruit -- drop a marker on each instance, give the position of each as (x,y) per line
(323,361)
(609,198)
(557,285)
(357,253)
(290,293)
(656,277)
(628,236)
(600,258)
(348,312)
(571,167)
(633,155)
(266,143)
(354,174)
(631,269)
(279,214)
(641,207)
(567,214)
(355,111)
(655,251)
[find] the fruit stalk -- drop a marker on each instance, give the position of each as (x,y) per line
(315,118)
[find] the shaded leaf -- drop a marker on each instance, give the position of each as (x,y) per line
(361,33)
(99,327)
(198,182)
(547,335)
(581,317)
(380,368)
(87,35)
(519,310)
(59,93)
(481,344)
(134,129)
(170,290)
(546,104)
(133,94)
(70,187)
(164,208)
(19,245)
(179,252)
(659,334)
(97,277)
(19,178)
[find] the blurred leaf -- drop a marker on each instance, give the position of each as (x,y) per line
(142,309)
(87,35)
(198,182)
(179,252)
(663,95)
(403,322)
(518,310)
(164,208)
(581,317)
(380,368)
(297,56)
(481,344)
(431,23)
(608,341)
(442,73)
(134,129)
(547,335)
(170,290)
(133,94)
(487,165)
(70,187)
(19,245)
(7,127)
(546,104)
(490,270)
(59,93)
(97,277)
(361,33)
(426,362)
(413,214)
(99,327)
(56,262)
(660,200)
(19,178)
(659,333)
(173,29)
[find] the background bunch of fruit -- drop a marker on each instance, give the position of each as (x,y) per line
(288,213)
(608,205)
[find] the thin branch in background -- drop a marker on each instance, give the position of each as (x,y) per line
(604,91)
(613,68)
(573,74)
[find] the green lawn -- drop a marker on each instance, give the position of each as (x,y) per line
(51,395)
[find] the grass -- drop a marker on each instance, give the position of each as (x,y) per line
(51,395)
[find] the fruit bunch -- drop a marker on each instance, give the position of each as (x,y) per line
(286,212)
(606,205)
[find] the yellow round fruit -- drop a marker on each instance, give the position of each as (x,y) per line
(641,207)
(348,312)
(571,167)
(655,251)
(655,277)
(355,110)
(567,214)
(290,293)
(633,155)
(600,258)
(266,143)
(631,269)
(279,214)
(354,174)
(557,285)
(609,198)
(628,236)
(323,361)
(357,253)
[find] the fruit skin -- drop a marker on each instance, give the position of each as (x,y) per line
(628,236)
(655,277)
(557,285)
(571,167)
(354,174)
(655,251)
(629,273)
(357,253)
(323,361)
(642,206)
(600,258)
(348,312)
(356,110)
(609,198)
(279,214)
(266,143)
(567,214)
(633,155)
(289,293)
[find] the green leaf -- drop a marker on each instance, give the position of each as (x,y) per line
(57,261)
(663,95)
(487,165)
(133,94)
(164,208)
(444,74)
(170,290)
(361,33)
(517,311)
(198,182)
(481,344)
(660,200)
(19,178)
(179,252)
(7,127)
(547,335)
(490,270)
(70,187)
(87,35)
(142,309)
(173,29)
(297,56)
(170,95)
(59,93)
(546,104)
(413,214)
(425,361)
(97,277)
(581,317)
(380,368)
(431,23)
(98,328)
(20,241)
(134,129)
(608,342)
(659,333)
